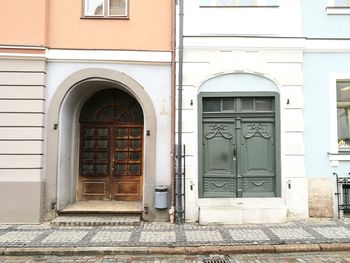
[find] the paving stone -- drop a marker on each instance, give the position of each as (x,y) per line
(36,227)
(333,232)
(248,235)
(292,233)
(158,226)
(65,237)
(95,220)
(110,236)
(203,236)
(116,228)
(19,237)
(157,237)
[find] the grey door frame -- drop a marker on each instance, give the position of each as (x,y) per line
(274,95)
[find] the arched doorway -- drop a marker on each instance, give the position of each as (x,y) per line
(111,147)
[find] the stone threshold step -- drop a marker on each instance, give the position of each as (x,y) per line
(96,220)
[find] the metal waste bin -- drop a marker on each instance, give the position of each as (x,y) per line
(161,197)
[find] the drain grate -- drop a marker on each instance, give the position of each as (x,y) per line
(216,260)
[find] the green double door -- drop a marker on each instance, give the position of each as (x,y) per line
(238,150)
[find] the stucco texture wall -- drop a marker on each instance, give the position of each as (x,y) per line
(319,111)
(23,22)
(318,23)
(149,27)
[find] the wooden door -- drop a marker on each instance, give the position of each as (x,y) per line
(127,163)
(95,163)
(111,148)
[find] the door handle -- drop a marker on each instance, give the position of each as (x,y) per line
(234,153)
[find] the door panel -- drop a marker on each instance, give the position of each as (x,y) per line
(258,159)
(111,162)
(95,163)
(219,159)
(127,168)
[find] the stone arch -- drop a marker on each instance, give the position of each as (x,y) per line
(62,118)
(238,81)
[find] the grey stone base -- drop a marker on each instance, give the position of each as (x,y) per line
(96,220)
(21,202)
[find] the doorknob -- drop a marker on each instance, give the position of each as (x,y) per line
(234,153)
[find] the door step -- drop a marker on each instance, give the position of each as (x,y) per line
(97,220)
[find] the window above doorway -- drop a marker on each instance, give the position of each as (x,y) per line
(342,3)
(338,7)
(343,114)
(246,104)
(105,9)
(238,3)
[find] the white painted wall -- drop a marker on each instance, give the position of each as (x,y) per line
(283,66)
(154,78)
(263,41)
(284,20)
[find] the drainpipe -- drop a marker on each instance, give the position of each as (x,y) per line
(179,120)
(173,116)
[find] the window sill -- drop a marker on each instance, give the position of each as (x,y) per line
(338,10)
(342,155)
(239,6)
(106,17)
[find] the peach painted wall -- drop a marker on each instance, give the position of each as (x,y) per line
(22,22)
(149,27)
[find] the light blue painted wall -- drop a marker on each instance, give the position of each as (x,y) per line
(318,24)
(316,70)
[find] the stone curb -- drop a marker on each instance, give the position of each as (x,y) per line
(234,249)
(297,248)
(45,251)
(335,247)
(217,249)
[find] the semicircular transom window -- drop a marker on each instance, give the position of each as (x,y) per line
(112,106)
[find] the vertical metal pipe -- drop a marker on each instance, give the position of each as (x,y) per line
(179,120)
(184,183)
(173,111)
(338,197)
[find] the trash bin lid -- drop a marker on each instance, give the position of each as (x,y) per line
(161,188)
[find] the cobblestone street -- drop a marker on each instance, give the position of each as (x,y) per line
(178,243)
(334,257)
(320,231)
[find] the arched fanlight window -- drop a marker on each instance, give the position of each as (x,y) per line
(112,106)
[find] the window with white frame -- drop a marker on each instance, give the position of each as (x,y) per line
(343,114)
(106,8)
(239,2)
(342,3)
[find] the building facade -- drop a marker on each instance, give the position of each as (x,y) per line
(87,112)
(325,88)
(86,97)
(259,79)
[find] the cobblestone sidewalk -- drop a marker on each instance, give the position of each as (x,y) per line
(320,231)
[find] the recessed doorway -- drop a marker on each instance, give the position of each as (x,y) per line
(111,148)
